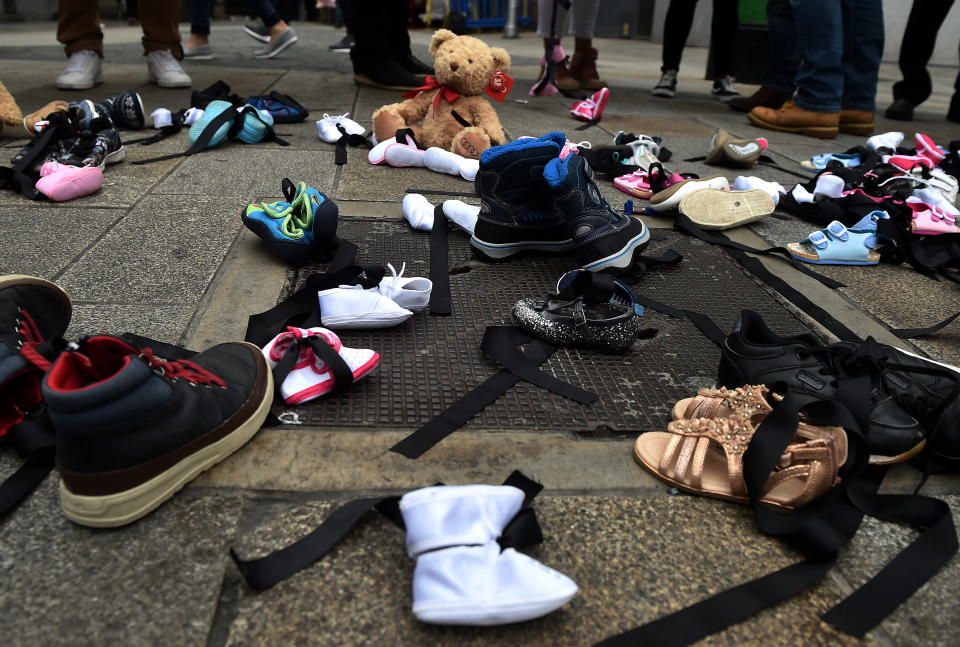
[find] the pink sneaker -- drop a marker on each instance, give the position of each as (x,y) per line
(311,377)
(907,162)
(61,183)
(926,148)
(643,184)
(591,109)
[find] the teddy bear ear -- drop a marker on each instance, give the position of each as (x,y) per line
(439,38)
(501,58)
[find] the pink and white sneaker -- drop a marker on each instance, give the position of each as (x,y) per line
(926,148)
(310,377)
(930,220)
(590,109)
(643,184)
(60,182)
(378,154)
(907,162)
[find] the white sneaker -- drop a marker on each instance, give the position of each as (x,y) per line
(746,183)
(83,71)
(311,377)
(939,181)
(412,294)
(418,211)
(328,131)
(350,306)
(887,140)
(936,199)
(164,70)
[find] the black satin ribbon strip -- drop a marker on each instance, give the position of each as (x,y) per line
(439,264)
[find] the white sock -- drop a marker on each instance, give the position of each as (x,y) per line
(161,118)
(191,115)
(442,161)
(403,155)
(469,168)
(461,214)
(418,211)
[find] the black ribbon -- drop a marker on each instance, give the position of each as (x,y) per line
(342,375)
(456,415)
(439,264)
(265,572)
(35,443)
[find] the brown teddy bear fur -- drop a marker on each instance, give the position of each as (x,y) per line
(465,65)
(10,114)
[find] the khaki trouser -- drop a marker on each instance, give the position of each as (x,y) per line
(78,26)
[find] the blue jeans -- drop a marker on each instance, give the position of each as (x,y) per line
(841,49)
(784,50)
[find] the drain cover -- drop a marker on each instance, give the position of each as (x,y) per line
(431,361)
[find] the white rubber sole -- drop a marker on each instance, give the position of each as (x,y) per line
(497,251)
(125,507)
(505,612)
(367,320)
(623,258)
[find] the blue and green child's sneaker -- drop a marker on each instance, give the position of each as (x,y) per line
(299,228)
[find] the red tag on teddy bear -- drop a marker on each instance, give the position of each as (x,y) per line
(499,86)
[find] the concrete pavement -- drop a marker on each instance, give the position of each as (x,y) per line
(160,251)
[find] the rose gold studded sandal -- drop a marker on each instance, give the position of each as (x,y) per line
(705,456)
(714,403)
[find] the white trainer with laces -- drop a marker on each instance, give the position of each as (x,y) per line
(412,294)
(164,70)
(83,71)
(723,89)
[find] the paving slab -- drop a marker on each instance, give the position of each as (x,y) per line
(42,240)
(70,585)
(630,556)
(166,322)
(253,169)
(156,254)
(383,183)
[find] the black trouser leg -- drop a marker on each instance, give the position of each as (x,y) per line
(676,29)
(381,34)
(723,36)
(919,39)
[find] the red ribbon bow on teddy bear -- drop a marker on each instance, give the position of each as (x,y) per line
(432,84)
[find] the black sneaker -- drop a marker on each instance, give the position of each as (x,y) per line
(901,110)
(344,44)
(928,391)
(667,86)
(516,206)
(125,110)
(45,149)
(132,428)
(609,159)
(414,65)
(258,31)
(724,90)
(606,240)
(753,354)
(388,74)
(82,113)
(32,311)
(96,147)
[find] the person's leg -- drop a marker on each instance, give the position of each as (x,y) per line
(289,10)
(953,114)
(820,77)
(382,46)
(346,9)
(783,58)
(78,26)
(267,13)
(583,64)
(862,53)
(545,17)
(723,36)
(160,28)
(199,23)
(676,29)
(916,48)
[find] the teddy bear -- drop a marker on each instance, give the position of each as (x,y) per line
(464,68)
(10,114)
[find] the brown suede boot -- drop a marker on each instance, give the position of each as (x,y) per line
(766,97)
(791,118)
(583,67)
(561,77)
(856,122)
